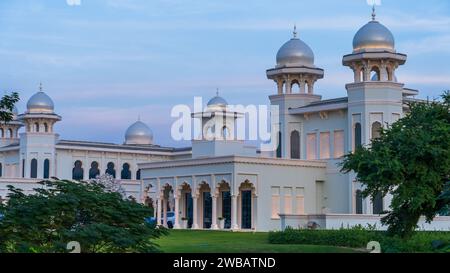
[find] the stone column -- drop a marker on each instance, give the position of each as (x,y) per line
(195,212)
(214,213)
(164,216)
(177,212)
(288,86)
(159,208)
(234,224)
(280,86)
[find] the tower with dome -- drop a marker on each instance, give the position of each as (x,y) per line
(220,176)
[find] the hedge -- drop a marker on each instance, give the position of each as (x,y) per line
(433,241)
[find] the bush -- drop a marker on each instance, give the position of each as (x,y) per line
(358,237)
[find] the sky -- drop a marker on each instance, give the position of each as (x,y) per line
(107,62)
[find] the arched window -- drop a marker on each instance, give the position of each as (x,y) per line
(1,170)
(125,174)
(378,204)
(36,127)
(77,171)
(46,169)
(225,132)
(376,130)
(23,168)
(33,171)
(138,174)
(295,87)
(94,171)
(359,202)
(279,145)
(358,135)
(110,169)
(46,127)
(295,145)
(375,74)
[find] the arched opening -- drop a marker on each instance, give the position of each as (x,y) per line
(138,174)
(206,204)
(295,87)
(225,133)
(224,193)
(187,214)
(46,169)
(378,204)
(376,130)
(246,193)
(23,168)
(295,145)
(46,127)
(36,127)
(359,202)
(126,173)
(210,133)
(110,169)
(10,134)
(33,170)
(279,145)
(94,170)
(375,74)
(358,135)
(77,171)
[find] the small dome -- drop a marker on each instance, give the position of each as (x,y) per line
(373,37)
(217,101)
(40,103)
(139,133)
(295,52)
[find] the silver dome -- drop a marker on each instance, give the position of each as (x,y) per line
(217,101)
(373,37)
(295,52)
(40,103)
(139,133)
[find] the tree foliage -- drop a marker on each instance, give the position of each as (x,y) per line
(63,211)
(411,161)
(7,106)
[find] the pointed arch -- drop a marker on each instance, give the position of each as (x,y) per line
(295,145)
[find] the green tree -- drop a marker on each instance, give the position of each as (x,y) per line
(411,160)
(63,211)
(7,106)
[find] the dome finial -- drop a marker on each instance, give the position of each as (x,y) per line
(295,31)
(40,87)
(217,92)
(139,117)
(374,14)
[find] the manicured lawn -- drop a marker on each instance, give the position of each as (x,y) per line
(187,241)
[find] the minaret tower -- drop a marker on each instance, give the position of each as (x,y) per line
(375,97)
(37,144)
(295,67)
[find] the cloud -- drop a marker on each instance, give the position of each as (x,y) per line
(433,44)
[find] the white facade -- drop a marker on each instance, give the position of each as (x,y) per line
(221,177)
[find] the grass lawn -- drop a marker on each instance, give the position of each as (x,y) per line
(196,241)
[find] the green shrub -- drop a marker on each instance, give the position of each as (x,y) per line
(358,237)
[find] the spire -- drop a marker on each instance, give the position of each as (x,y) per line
(295,31)
(40,87)
(374,14)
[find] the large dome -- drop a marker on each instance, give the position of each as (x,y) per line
(217,101)
(139,134)
(40,103)
(373,36)
(295,52)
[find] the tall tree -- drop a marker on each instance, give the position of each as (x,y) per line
(411,161)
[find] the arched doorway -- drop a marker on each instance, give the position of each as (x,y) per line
(206,205)
(77,171)
(246,193)
(94,170)
(223,192)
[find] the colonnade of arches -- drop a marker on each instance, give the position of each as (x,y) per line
(207,207)
(296,85)
(384,72)
(39,127)
(78,172)
(9,133)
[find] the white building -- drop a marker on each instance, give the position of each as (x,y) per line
(220,176)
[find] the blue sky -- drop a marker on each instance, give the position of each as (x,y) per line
(105,62)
